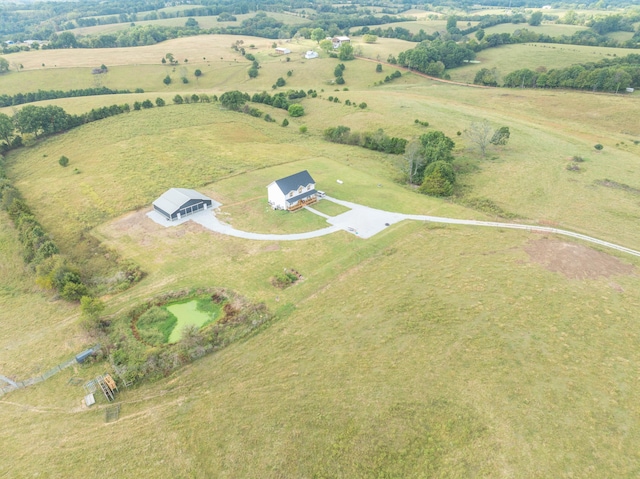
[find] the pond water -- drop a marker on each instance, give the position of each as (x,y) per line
(187,314)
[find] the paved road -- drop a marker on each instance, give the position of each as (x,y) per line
(366,222)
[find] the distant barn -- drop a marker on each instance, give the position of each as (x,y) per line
(177,203)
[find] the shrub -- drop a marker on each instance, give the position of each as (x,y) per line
(598,146)
(340,81)
(178,100)
(64,161)
(362,105)
(296,110)
(159,102)
(285,122)
(303,129)
(198,72)
(167,80)
(379,68)
(185,80)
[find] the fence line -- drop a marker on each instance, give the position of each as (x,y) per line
(38,379)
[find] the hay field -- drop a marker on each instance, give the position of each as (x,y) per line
(508,58)
(424,351)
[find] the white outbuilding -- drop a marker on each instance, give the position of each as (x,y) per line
(311,54)
(177,203)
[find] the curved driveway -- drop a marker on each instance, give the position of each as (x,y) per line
(365,222)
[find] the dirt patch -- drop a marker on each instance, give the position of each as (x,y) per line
(575,261)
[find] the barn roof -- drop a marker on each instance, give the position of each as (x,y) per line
(173,199)
(293,182)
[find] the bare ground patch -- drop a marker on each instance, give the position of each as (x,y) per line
(575,261)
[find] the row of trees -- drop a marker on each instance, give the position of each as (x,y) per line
(40,95)
(608,75)
(377,141)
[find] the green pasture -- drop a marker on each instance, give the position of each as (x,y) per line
(425,351)
(448,344)
(429,26)
(551,29)
(204,22)
(508,58)
(37,332)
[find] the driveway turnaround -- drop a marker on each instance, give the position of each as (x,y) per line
(365,222)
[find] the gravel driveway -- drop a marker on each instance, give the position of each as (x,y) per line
(364,222)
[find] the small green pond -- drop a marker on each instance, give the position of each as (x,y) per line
(190,314)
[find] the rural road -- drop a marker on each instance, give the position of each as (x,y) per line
(366,222)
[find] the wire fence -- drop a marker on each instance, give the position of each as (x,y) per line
(38,379)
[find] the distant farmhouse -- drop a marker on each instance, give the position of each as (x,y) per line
(282,51)
(177,203)
(311,54)
(339,41)
(293,192)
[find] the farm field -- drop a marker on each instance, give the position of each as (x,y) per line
(552,29)
(204,22)
(424,351)
(508,58)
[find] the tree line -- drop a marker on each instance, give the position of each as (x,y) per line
(377,141)
(608,75)
(40,95)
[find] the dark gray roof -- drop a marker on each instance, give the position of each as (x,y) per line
(173,199)
(301,196)
(293,182)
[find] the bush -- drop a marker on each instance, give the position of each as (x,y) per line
(198,73)
(178,100)
(253,72)
(598,147)
(280,82)
(285,122)
(167,80)
(160,102)
(296,110)
(303,129)
(379,68)
(362,105)
(340,81)
(64,161)
(185,80)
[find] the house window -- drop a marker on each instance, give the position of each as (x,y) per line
(290,194)
(300,190)
(308,187)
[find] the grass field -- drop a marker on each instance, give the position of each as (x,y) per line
(508,58)
(551,29)
(204,22)
(425,351)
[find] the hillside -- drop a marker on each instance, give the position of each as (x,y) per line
(427,350)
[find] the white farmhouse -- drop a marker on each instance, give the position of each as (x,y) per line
(293,192)
(339,41)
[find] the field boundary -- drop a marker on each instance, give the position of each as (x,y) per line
(13,385)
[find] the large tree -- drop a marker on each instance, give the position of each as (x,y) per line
(346,52)
(317,34)
(437,147)
(7,128)
(233,100)
(480,134)
(4,65)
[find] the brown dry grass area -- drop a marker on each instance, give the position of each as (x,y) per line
(574,260)
(209,46)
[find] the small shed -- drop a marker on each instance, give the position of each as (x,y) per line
(282,51)
(292,192)
(311,54)
(177,203)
